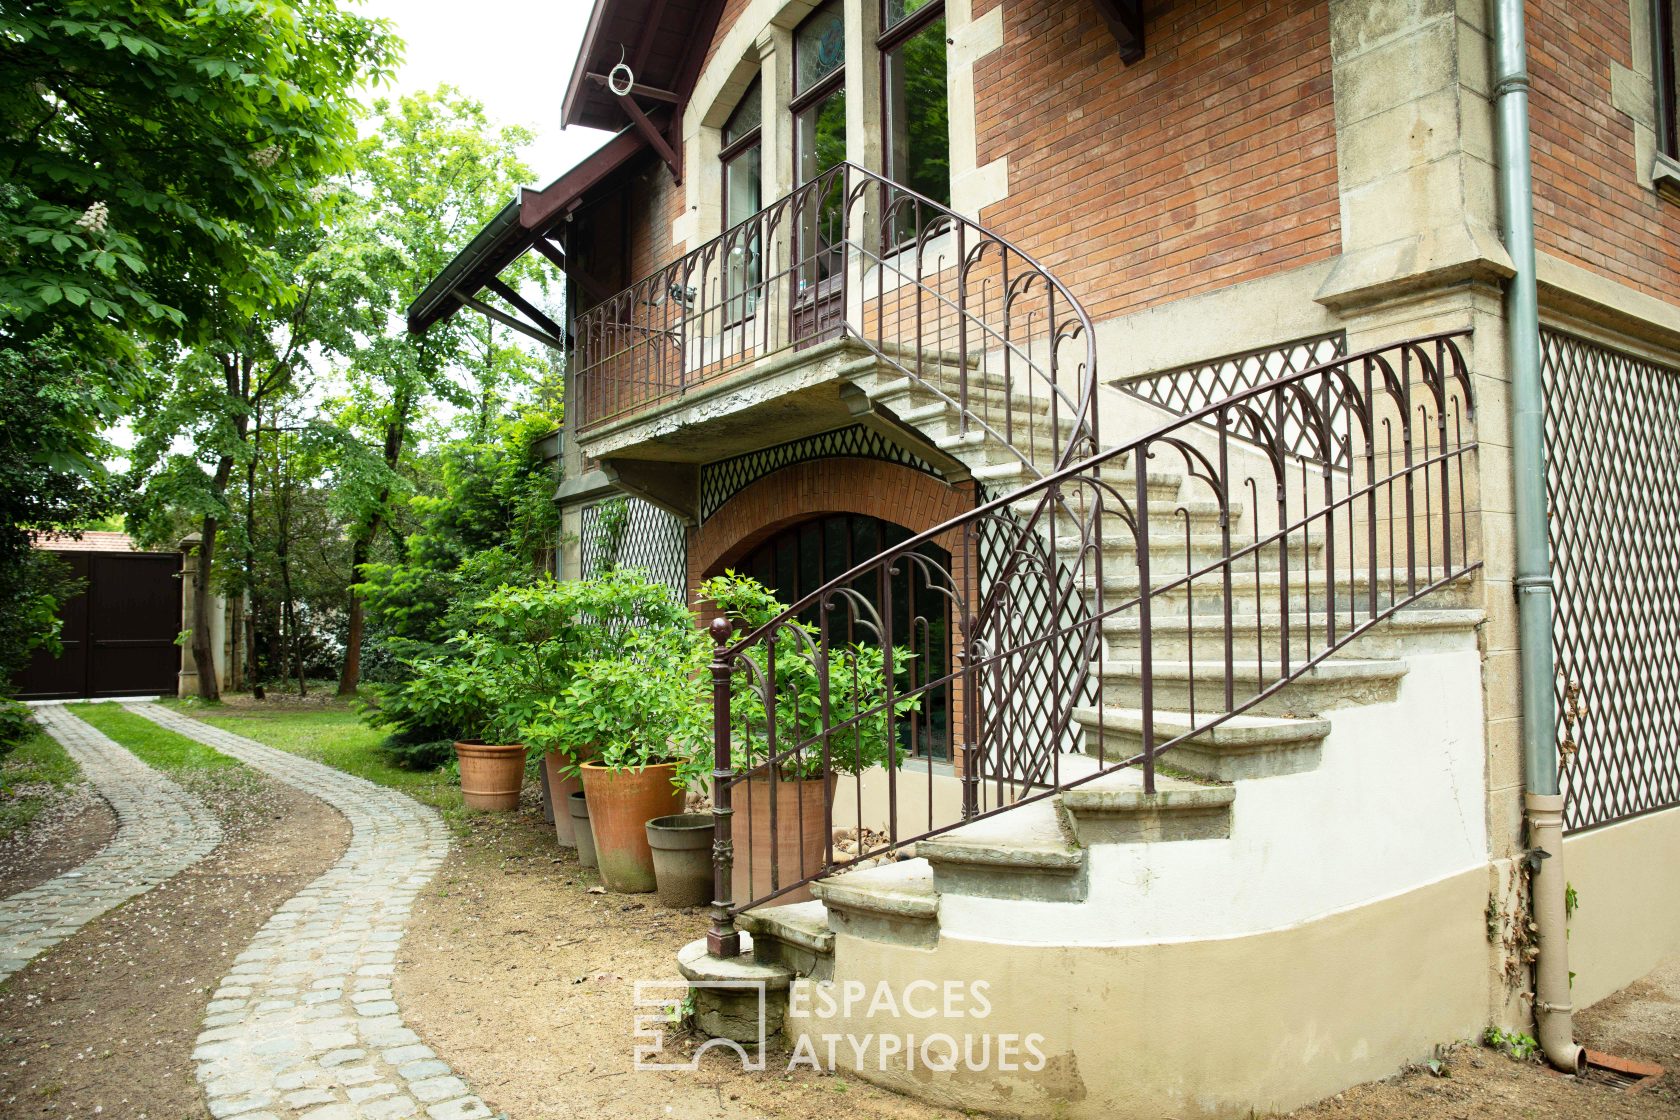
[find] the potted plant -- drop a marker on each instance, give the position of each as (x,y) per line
(553,627)
(633,726)
(464,691)
(796,788)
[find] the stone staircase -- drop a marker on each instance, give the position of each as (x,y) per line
(1043,852)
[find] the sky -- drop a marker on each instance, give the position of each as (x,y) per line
(513,55)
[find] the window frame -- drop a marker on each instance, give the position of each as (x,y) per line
(886,42)
(740,306)
(1665,45)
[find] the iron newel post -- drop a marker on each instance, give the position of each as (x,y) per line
(722,940)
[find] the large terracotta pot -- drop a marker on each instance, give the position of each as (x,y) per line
(803,815)
(491,775)
(620,805)
(560,791)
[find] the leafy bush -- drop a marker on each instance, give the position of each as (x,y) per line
(409,751)
(855,731)
(498,677)
(16,725)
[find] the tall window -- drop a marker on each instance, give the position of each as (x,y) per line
(914,101)
(1667,52)
(819,143)
(743,179)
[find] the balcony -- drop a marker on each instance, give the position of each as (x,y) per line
(782,326)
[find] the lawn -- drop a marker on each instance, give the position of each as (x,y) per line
(334,735)
(156,746)
(31,776)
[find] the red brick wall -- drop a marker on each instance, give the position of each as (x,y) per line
(1210,161)
(1589,207)
(908,497)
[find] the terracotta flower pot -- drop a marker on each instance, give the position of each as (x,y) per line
(561,790)
(803,821)
(620,805)
(578,809)
(682,858)
(491,775)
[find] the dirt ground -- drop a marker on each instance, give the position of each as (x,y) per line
(104,1024)
(521,977)
(70,828)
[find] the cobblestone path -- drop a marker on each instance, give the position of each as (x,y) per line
(161,830)
(305,1025)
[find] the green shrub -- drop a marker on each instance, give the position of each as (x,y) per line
(409,751)
(855,730)
(16,725)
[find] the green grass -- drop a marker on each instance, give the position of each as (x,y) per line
(337,737)
(31,776)
(156,746)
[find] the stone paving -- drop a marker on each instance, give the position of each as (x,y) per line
(305,1025)
(161,830)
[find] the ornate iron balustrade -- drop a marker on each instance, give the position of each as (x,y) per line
(1155,631)
(974,320)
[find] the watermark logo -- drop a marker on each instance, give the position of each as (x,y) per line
(868,1024)
(669,1004)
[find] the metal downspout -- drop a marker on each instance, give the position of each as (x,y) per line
(1544,801)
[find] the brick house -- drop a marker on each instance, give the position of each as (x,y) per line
(1155,375)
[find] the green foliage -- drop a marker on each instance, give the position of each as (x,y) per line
(1518,1047)
(16,725)
(503,677)
(488,524)
(149,146)
(854,728)
(32,773)
(409,751)
(53,410)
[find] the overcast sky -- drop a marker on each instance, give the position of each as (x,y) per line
(513,55)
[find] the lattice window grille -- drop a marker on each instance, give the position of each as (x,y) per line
(724,479)
(1613,486)
(648,538)
(1189,389)
(1023,698)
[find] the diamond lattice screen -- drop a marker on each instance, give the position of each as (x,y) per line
(1613,488)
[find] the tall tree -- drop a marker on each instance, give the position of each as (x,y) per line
(146,148)
(431,174)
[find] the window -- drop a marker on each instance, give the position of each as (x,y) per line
(819,143)
(915,104)
(743,185)
(1667,73)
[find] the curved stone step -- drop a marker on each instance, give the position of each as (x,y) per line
(796,936)
(1242,747)
(892,902)
(1115,809)
(1413,630)
(1025,852)
(1331,684)
(1206,593)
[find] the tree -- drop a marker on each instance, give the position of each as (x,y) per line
(151,152)
(147,145)
(433,172)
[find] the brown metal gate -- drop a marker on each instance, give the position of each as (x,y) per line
(119,634)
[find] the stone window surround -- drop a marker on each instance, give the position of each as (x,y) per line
(1634,93)
(760,43)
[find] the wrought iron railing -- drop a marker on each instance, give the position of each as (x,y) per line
(978,323)
(1193,573)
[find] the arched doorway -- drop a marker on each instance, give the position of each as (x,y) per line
(800,558)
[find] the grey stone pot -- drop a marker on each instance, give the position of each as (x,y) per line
(580,829)
(682,858)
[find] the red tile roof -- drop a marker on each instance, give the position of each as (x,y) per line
(94,540)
